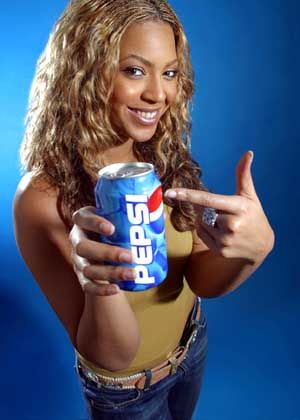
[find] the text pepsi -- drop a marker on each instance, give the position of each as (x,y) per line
(129,195)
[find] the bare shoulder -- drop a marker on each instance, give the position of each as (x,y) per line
(43,241)
(37,201)
(36,209)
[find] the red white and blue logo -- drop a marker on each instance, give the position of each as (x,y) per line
(156,209)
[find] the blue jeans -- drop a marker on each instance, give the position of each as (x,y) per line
(172,398)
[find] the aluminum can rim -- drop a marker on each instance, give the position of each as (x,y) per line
(110,171)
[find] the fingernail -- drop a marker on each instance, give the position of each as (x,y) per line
(106,228)
(171,193)
(129,274)
(125,257)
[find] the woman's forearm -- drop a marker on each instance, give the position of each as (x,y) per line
(108,332)
(211,275)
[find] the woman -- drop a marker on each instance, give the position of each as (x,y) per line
(114,85)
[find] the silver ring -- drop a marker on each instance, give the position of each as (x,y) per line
(209,216)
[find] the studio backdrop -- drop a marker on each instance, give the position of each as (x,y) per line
(246,61)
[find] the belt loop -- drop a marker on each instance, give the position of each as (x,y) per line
(195,307)
(195,322)
(148,374)
(174,365)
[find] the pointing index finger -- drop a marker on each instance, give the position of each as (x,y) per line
(227,203)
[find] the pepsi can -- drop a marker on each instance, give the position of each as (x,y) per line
(129,195)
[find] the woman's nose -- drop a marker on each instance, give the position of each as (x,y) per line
(154,91)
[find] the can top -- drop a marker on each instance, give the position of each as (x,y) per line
(125,170)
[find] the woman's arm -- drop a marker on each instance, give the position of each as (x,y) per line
(102,328)
(108,332)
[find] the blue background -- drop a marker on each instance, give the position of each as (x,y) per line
(246,59)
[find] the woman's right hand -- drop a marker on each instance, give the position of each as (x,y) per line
(89,255)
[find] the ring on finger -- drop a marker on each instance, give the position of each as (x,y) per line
(209,216)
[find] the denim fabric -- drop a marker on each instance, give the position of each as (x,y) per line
(172,398)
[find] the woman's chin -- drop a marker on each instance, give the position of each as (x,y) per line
(142,136)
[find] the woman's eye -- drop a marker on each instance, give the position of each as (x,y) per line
(171,74)
(133,71)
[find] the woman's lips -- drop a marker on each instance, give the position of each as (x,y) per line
(145,117)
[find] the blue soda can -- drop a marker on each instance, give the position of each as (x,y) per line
(129,195)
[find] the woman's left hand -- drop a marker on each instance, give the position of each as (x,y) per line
(241,229)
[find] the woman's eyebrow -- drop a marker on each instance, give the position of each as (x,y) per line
(145,61)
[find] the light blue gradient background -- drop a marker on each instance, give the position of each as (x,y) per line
(246,60)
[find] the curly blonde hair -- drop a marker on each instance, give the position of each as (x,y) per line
(68,122)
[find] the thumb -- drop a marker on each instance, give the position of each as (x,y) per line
(244,181)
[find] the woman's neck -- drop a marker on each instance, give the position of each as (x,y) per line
(123,153)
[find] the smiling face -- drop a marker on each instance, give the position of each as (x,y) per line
(146,81)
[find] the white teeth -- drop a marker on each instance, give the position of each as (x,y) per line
(147,115)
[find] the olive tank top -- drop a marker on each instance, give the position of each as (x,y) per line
(161,311)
